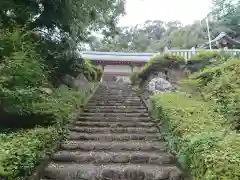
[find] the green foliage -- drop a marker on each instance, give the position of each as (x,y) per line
(134,78)
(22,72)
(160,63)
(220,84)
(91,72)
(57,107)
(20,151)
(205,56)
(66,16)
(227,13)
(204,59)
(200,136)
(33,61)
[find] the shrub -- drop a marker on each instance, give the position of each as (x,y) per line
(205,58)
(21,151)
(161,63)
(91,72)
(199,136)
(99,73)
(220,84)
(22,72)
(57,107)
(134,78)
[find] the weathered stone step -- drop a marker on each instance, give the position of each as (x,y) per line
(114,124)
(125,95)
(115,146)
(115,110)
(102,157)
(116,100)
(115,107)
(112,137)
(114,119)
(119,115)
(117,94)
(70,171)
(86,129)
(114,103)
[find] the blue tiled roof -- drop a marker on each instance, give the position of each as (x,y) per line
(116,56)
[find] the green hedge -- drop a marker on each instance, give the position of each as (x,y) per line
(200,137)
(22,150)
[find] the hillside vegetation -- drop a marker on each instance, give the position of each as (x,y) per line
(201,119)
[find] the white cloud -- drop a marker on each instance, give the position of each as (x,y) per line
(138,11)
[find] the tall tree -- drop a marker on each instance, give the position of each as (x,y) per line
(227,12)
(76,17)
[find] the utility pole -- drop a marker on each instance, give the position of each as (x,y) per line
(208,30)
(209,36)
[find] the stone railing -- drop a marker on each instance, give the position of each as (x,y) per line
(187,54)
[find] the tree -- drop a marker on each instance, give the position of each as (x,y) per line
(227,13)
(59,26)
(76,17)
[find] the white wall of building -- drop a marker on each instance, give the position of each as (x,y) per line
(117,68)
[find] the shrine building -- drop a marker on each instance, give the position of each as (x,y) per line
(118,63)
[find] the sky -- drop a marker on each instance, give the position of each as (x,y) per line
(186,11)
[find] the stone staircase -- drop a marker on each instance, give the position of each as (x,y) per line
(114,139)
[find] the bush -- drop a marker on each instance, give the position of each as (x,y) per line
(99,73)
(205,58)
(57,107)
(220,84)
(199,136)
(22,73)
(91,72)
(21,151)
(161,63)
(134,78)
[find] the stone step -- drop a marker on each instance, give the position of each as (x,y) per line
(115,93)
(114,119)
(115,146)
(114,124)
(116,110)
(119,115)
(71,171)
(102,157)
(115,107)
(86,129)
(74,136)
(124,95)
(102,103)
(115,101)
